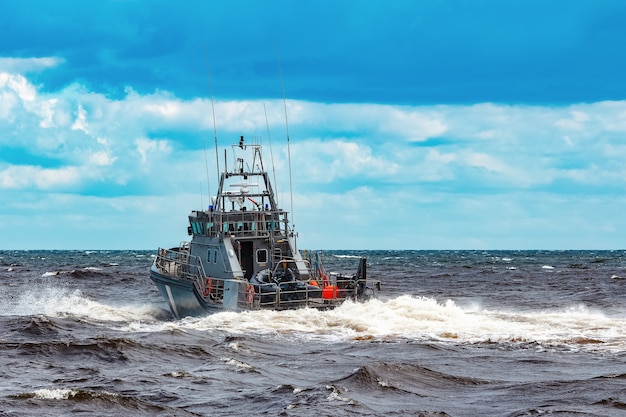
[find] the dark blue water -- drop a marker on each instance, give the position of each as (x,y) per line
(454,333)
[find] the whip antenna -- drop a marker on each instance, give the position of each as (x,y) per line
(267,125)
(282,84)
(217,159)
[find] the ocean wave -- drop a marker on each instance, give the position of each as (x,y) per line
(54,301)
(425,319)
(75,273)
(396,319)
(404,377)
(52,394)
(77,396)
(107,351)
(238,364)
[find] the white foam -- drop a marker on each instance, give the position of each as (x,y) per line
(236,363)
(54,394)
(55,273)
(335,396)
(61,302)
(396,319)
(415,318)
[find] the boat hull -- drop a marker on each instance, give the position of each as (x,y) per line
(181,296)
(184,300)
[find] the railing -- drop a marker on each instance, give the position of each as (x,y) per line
(182,265)
(326,292)
(294,294)
(240,223)
(179,263)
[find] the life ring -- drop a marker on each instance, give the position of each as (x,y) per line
(208,287)
(250,293)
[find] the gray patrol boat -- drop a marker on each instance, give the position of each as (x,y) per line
(243,255)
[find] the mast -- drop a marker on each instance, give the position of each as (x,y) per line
(217,159)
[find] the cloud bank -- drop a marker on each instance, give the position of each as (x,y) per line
(74,162)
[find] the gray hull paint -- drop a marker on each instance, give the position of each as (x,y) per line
(181,296)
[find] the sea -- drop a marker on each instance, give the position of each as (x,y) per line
(452,333)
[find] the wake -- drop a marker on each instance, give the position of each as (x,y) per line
(402,318)
(427,320)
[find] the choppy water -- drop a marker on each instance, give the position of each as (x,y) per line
(456,333)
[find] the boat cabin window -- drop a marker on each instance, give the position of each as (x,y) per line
(208,255)
(198,228)
(261,256)
(273,226)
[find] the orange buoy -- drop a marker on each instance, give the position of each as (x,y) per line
(313,282)
(329,292)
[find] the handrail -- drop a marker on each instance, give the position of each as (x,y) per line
(276,295)
(181,263)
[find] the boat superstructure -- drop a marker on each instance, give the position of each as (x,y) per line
(243,255)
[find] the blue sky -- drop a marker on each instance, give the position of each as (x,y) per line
(413,124)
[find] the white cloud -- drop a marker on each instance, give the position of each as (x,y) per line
(430,165)
(521,144)
(482,160)
(19,85)
(101,158)
(29,177)
(21,65)
(577,121)
(338,159)
(444,158)
(146,147)
(81,119)
(414,124)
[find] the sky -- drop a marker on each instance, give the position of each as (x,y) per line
(432,124)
